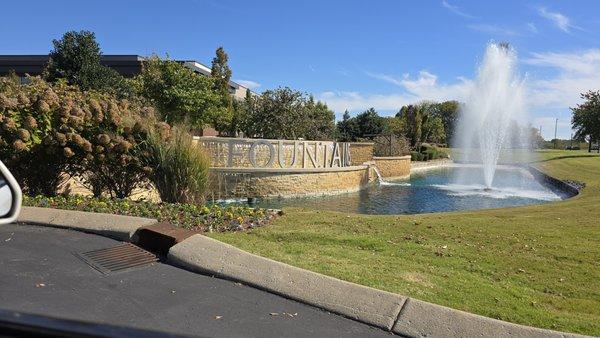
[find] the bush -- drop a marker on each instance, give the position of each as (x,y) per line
(390,145)
(27,114)
(194,217)
(416,156)
(180,167)
(425,147)
(49,130)
(430,154)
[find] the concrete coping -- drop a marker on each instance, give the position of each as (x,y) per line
(405,157)
(118,227)
(287,141)
(401,315)
(361,143)
(287,170)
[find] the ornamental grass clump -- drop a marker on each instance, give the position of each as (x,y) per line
(179,165)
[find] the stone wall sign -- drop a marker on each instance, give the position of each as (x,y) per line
(262,153)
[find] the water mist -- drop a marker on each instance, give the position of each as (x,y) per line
(496,99)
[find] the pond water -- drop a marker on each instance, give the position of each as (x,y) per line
(432,191)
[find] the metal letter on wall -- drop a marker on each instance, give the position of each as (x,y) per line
(312,157)
(231,152)
(281,154)
(347,160)
(335,158)
(252,153)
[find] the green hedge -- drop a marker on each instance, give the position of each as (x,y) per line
(427,153)
(207,218)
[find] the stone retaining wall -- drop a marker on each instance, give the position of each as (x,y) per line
(393,167)
(252,182)
(361,152)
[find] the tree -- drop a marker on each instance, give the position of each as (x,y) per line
(220,71)
(346,128)
(179,94)
(448,111)
(533,135)
(289,114)
(432,129)
(76,58)
(586,118)
(369,124)
(221,74)
(412,120)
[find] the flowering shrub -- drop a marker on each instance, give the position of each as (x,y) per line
(51,129)
(190,216)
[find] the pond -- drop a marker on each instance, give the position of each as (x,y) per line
(433,190)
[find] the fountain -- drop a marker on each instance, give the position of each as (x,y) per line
(486,129)
(495,100)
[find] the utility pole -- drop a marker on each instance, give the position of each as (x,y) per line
(555,128)
(571,142)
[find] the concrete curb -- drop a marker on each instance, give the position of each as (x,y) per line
(118,227)
(422,319)
(368,305)
(389,311)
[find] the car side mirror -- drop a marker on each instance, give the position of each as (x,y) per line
(10,196)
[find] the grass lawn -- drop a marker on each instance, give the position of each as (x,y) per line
(533,265)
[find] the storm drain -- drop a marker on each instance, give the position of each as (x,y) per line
(117,258)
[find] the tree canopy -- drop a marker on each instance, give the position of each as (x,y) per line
(287,114)
(178,93)
(586,118)
(76,58)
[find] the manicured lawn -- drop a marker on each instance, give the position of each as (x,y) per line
(534,265)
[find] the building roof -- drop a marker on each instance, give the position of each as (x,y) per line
(125,64)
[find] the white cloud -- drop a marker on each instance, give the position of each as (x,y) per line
(456,10)
(424,87)
(576,73)
(248,83)
(532,27)
(493,29)
(550,94)
(558,19)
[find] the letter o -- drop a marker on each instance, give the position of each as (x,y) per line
(252,153)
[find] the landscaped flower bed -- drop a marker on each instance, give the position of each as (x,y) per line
(206,218)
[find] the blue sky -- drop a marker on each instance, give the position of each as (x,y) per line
(351,54)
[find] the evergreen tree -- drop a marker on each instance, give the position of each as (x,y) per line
(221,74)
(76,58)
(220,71)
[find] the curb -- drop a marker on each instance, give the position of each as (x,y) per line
(401,315)
(206,255)
(119,227)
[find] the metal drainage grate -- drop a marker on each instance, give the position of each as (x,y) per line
(117,258)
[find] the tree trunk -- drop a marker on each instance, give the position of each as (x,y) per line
(590,145)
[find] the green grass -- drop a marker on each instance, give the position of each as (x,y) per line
(533,265)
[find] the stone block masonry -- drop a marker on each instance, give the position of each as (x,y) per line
(253,182)
(393,167)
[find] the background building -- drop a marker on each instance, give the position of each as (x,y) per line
(126,65)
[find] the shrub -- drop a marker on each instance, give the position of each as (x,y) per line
(180,167)
(390,145)
(27,114)
(52,129)
(430,154)
(416,156)
(425,147)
